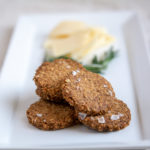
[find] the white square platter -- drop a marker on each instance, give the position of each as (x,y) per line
(129,74)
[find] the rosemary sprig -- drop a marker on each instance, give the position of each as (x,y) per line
(53,58)
(94,68)
(97,65)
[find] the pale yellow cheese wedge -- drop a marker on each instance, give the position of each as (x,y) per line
(63,46)
(67,28)
(100,38)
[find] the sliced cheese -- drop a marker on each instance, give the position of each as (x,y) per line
(67,28)
(99,39)
(76,39)
(63,46)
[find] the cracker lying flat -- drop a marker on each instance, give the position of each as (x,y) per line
(118,117)
(48,115)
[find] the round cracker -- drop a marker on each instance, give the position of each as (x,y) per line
(85,91)
(48,115)
(118,117)
(50,76)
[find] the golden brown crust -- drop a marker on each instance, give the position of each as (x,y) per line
(48,115)
(85,92)
(118,117)
(50,76)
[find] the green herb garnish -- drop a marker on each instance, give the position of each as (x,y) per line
(94,68)
(53,58)
(97,65)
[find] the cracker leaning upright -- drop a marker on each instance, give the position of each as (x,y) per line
(50,76)
(84,90)
(48,115)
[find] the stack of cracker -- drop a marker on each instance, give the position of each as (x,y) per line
(69,94)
